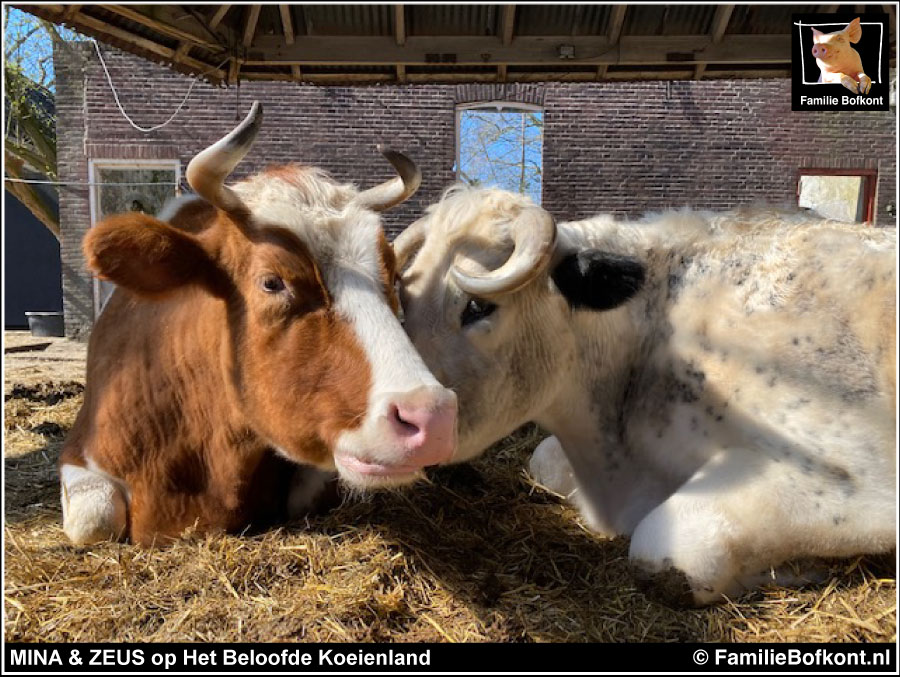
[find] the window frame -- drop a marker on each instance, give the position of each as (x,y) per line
(495,104)
(870,184)
(94,165)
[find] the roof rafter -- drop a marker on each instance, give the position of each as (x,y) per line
(717,32)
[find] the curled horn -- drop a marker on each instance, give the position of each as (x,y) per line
(407,242)
(207,172)
(534,236)
(396,190)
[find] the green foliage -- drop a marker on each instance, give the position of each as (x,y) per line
(30,120)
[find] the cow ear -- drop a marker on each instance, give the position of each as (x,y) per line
(598,280)
(854,30)
(145,255)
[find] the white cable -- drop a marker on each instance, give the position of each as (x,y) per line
(122,110)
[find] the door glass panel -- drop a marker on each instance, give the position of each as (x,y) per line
(834,197)
(130,189)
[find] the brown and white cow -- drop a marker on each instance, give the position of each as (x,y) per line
(720,387)
(253,323)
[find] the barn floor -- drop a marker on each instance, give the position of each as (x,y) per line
(479,553)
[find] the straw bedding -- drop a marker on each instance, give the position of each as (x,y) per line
(477,553)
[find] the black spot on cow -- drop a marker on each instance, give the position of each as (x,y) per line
(598,280)
(836,473)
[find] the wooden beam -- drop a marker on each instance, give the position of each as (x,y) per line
(218,16)
(527,50)
(601,71)
(401,73)
(183,49)
(287,24)
(71,11)
(400,24)
(160,26)
(507,24)
(716,32)
(616,21)
(502,72)
(720,22)
(828,9)
(455,77)
(234,71)
(103,28)
(250,26)
(296,73)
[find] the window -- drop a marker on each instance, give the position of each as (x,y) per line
(843,194)
(127,186)
(501,144)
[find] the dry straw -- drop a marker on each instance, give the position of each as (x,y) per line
(478,553)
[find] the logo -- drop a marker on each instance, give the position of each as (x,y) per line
(840,62)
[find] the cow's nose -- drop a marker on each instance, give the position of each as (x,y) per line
(425,423)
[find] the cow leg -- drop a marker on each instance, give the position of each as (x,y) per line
(550,468)
(311,490)
(684,548)
(743,512)
(93,504)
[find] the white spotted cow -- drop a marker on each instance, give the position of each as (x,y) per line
(720,387)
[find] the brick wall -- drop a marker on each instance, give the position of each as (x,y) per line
(620,147)
(640,146)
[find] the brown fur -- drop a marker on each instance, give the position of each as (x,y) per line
(195,372)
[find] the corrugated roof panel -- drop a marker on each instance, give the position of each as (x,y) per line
(347,19)
(547,19)
(764,19)
(132,27)
(668,19)
(476,20)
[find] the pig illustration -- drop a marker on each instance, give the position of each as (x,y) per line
(838,61)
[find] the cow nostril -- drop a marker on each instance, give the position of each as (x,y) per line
(406,426)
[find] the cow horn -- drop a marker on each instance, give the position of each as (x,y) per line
(407,242)
(207,172)
(534,236)
(396,190)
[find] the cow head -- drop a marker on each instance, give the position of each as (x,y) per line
(488,301)
(298,267)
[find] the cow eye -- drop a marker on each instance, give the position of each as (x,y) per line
(476,309)
(272,284)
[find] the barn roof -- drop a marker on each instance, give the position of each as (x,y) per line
(367,44)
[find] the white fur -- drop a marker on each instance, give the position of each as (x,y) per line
(94,507)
